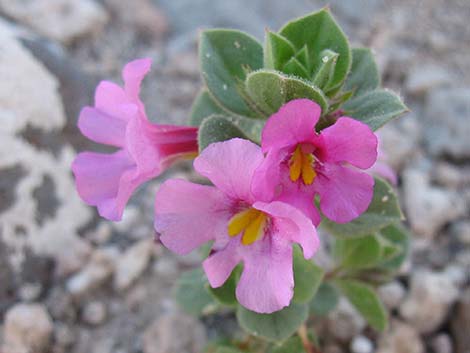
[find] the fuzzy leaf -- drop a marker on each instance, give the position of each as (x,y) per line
(325,300)
(326,70)
(399,236)
(225,57)
(217,128)
(278,50)
(375,108)
(365,300)
(192,294)
(383,211)
(302,56)
(203,106)
(271,89)
(294,67)
(277,326)
(319,31)
(307,277)
(292,345)
(364,75)
(355,253)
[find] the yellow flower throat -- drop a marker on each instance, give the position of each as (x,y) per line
(301,165)
(251,222)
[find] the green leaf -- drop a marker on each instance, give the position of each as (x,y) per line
(271,89)
(302,56)
(325,300)
(355,253)
(192,294)
(319,31)
(375,108)
(217,128)
(364,75)
(307,277)
(227,350)
(226,293)
(277,326)
(278,50)
(366,302)
(203,106)
(292,345)
(326,70)
(399,236)
(383,211)
(225,57)
(295,67)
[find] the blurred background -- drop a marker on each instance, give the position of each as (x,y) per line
(70,282)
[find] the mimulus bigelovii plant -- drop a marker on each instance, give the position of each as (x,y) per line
(286,136)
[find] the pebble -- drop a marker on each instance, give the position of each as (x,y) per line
(28,328)
(442,343)
(423,78)
(400,338)
(429,300)
(392,294)
(461,231)
(361,344)
(345,322)
(64,336)
(174,333)
(94,313)
(133,263)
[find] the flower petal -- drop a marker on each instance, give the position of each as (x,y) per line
(292,124)
(106,181)
(345,193)
(291,224)
(382,169)
(101,127)
(110,99)
(220,265)
(348,140)
(267,177)
(133,74)
(230,166)
(267,282)
(188,215)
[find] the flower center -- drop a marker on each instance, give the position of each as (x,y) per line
(250,222)
(301,164)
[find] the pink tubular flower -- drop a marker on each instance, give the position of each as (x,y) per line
(144,149)
(301,163)
(244,228)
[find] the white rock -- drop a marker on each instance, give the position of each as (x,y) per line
(423,78)
(446,126)
(174,333)
(361,344)
(94,313)
(429,300)
(97,271)
(62,20)
(428,208)
(392,294)
(345,322)
(133,263)
(400,338)
(28,328)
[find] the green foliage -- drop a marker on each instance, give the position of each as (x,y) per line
(357,253)
(226,293)
(226,350)
(317,32)
(325,73)
(292,345)
(294,67)
(365,300)
(217,128)
(203,106)
(277,326)
(397,235)
(192,294)
(271,89)
(383,211)
(375,108)
(225,57)
(277,51)
(364,75)
(325,300)
(307,277)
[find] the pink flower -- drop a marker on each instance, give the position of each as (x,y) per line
(381,167)
(301,163)
(244,228)
(144,149)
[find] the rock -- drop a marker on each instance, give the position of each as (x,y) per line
(361,344)
(400,338)
(457,274)
(461,231)
(28,328)
(30,291)
(460,322)
(133,263)
(446,125)
(428,207)
(442,343)
(174,333)
(450,175)
(424,78)
(102,234)
(64,336)
(94,313)
(345,322)
(97,271)
(61,20)
(166,266)
(392,294)
(429,300)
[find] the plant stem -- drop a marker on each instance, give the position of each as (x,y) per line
(303,334)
